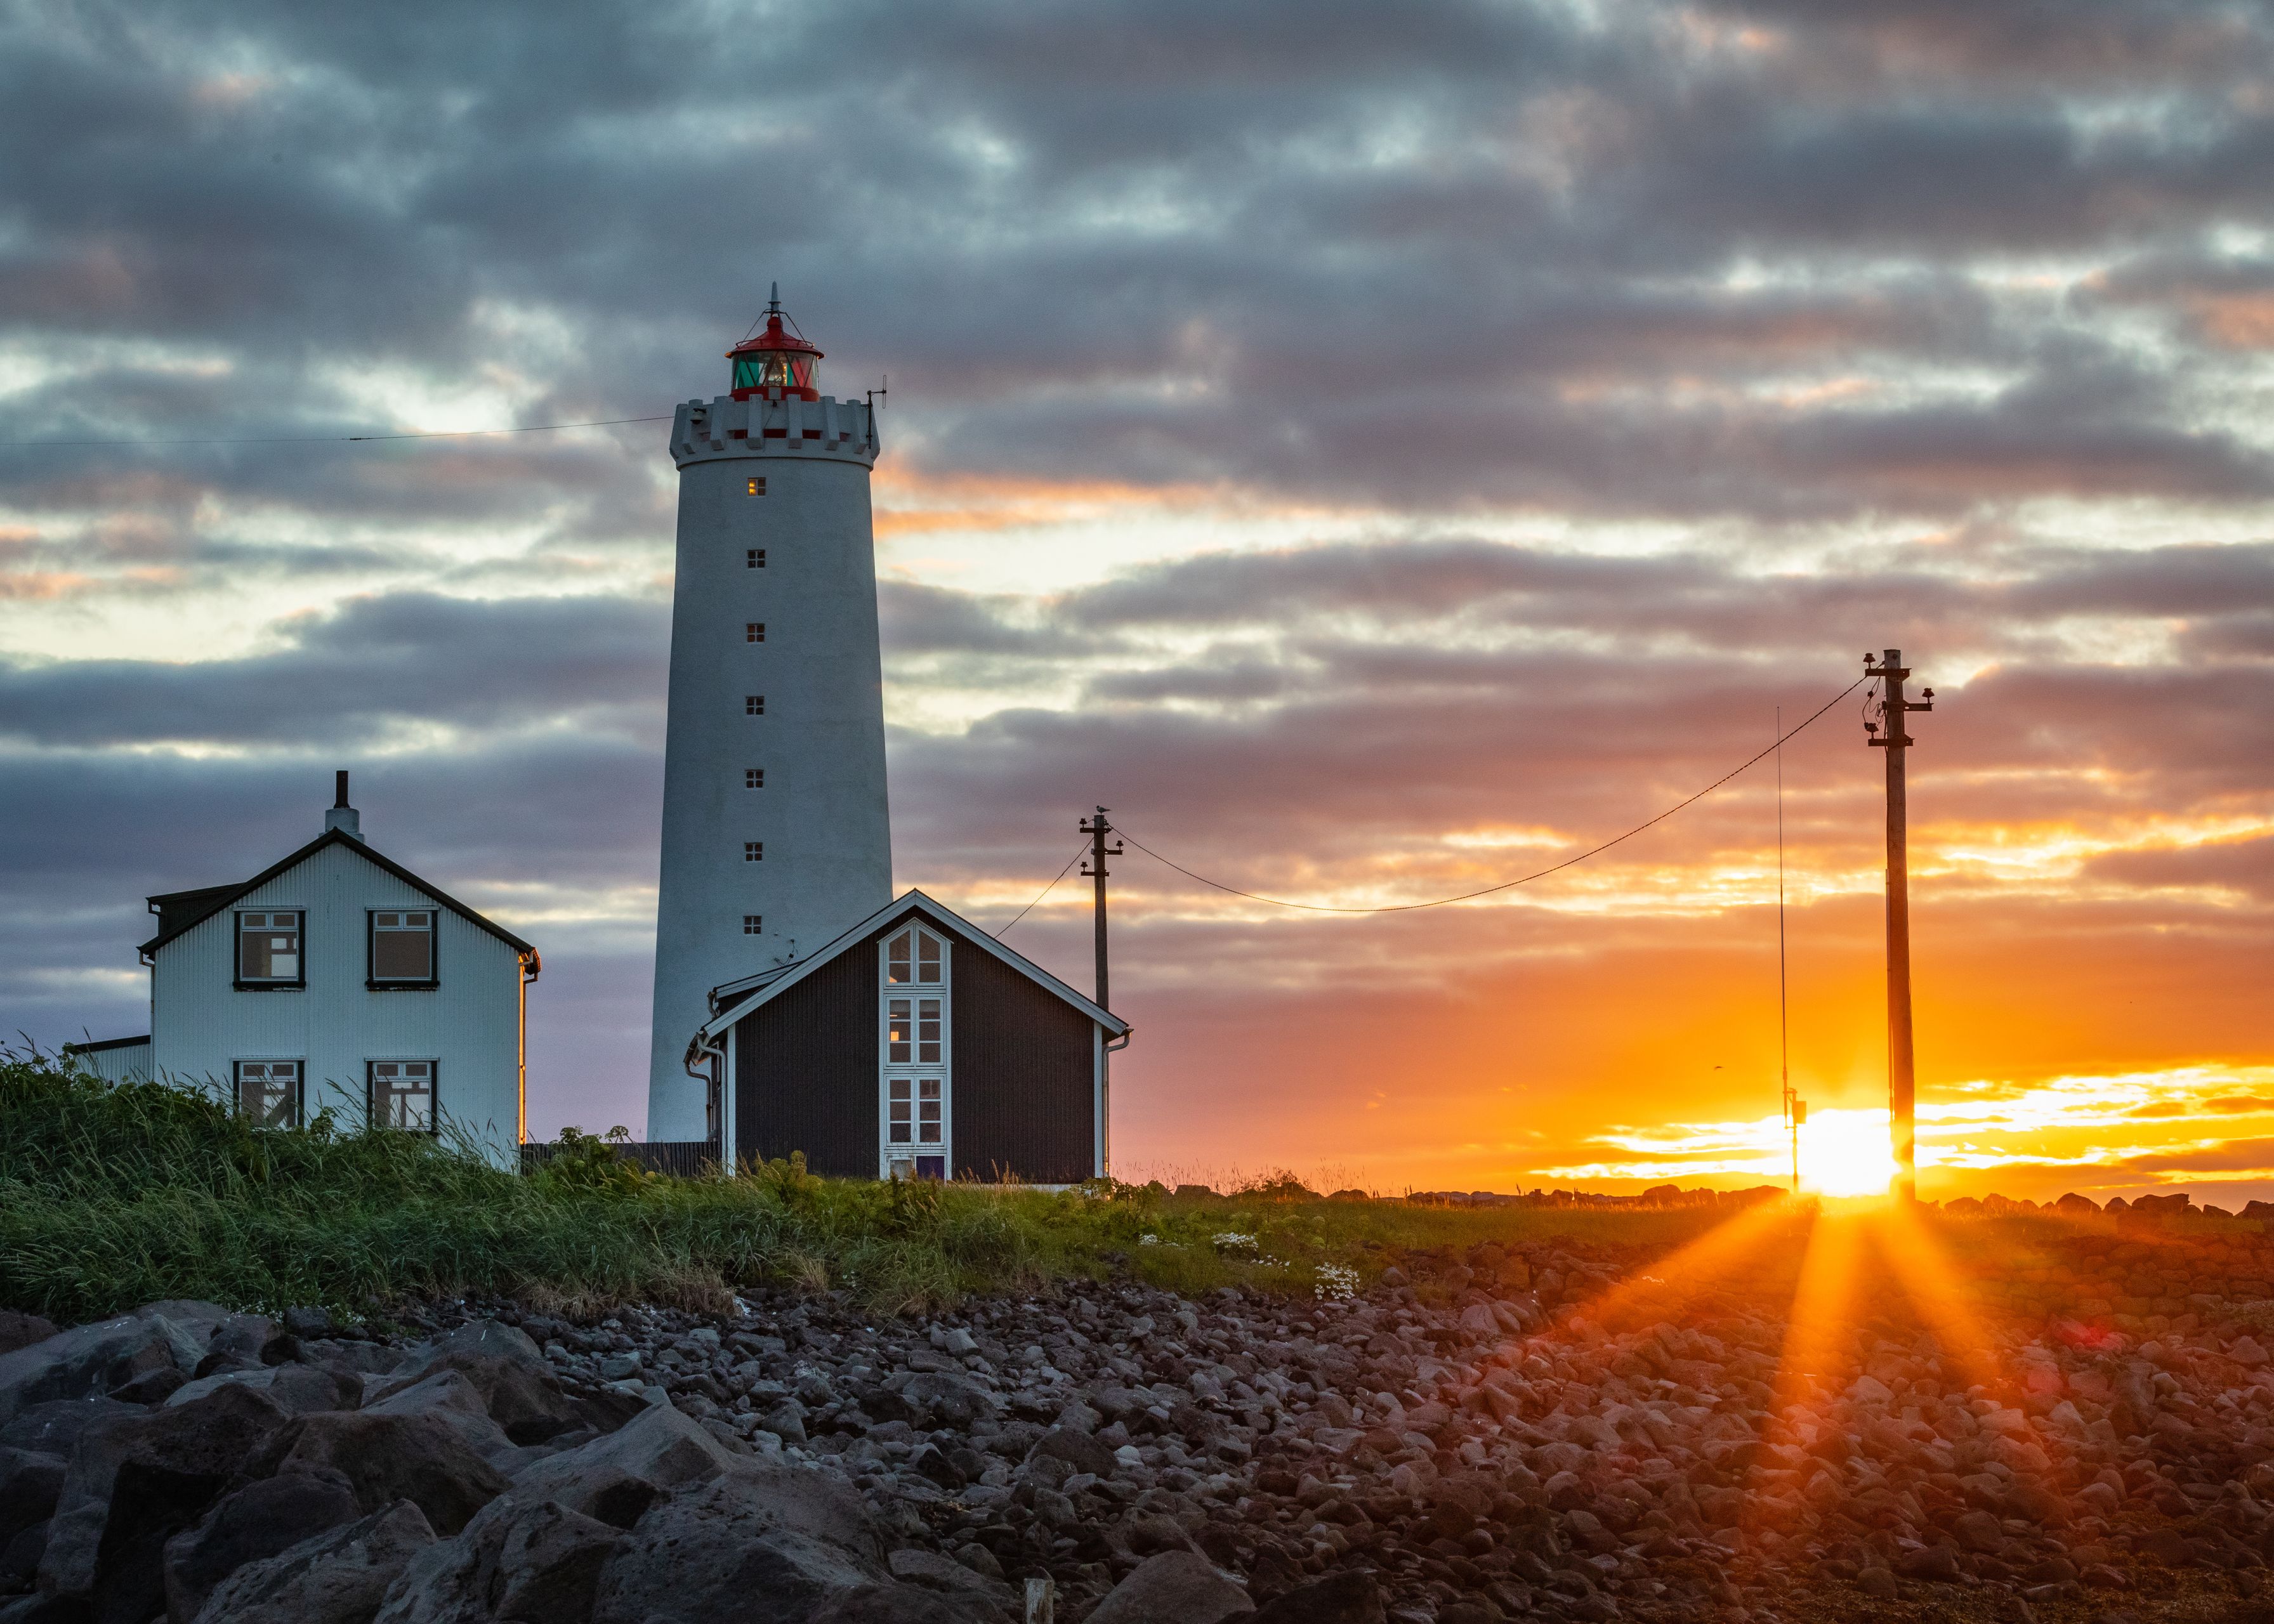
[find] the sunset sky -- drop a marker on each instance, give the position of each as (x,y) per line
(1377,451)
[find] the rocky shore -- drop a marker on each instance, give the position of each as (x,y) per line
(1548,1432)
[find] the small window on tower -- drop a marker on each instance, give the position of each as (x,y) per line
(754,778)
(753,850)
(754,631)
(754,704)
(755,557)
(754,924)
(755,487)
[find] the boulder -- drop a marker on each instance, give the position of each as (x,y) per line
(257,1521)
(760,1544)
(1349,1598)
(945,1575)
(29,1485)
(942,1399)
(238,1343)
(21,1330)
(338,1577)
(420,1458)
(1078,1450)
(623,1471)
(1979,1532)
(518,1388)
(550,1564)
(92,1360)
(136,1480)
(1937,1563)
(477,1339)
(55,1427)
(299,1389)
(1176,1587)
(450,1398)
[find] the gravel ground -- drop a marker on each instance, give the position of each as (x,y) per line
(1542,1432)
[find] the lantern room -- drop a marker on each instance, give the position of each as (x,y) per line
(775,363)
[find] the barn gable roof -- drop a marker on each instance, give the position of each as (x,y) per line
(182,911)
(736,999)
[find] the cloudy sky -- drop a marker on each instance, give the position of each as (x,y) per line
(1377,450)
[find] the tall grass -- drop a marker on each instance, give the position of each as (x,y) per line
(111,1196)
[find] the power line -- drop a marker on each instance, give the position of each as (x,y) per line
(1079,852)
(1408,908)
(337,440)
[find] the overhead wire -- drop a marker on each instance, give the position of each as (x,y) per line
(1471,896)
(339,440)
(1079,852)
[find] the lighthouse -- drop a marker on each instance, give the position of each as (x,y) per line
(776,834)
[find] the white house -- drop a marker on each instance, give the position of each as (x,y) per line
(336,978)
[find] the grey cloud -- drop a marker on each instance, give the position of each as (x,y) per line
(1025,198)
(2242,865)
(352,675)
(917,620)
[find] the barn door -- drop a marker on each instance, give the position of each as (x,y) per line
(913,1085)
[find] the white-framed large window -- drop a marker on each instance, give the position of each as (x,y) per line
(403,1095)
(268,1092)
(915,1089)
(268,947)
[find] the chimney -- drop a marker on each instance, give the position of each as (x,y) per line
(342,816)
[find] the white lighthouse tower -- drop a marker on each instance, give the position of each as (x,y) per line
(776,835)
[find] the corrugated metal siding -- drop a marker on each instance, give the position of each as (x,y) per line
(469,1025)
(127,1063)
(680,1158)
(1024,1068)
(805,1070)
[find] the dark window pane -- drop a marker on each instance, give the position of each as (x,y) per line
(402,953)
(268,947)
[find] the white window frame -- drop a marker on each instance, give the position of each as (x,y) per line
(433,1090)
(244,983)
(915,1071)
(299,1065)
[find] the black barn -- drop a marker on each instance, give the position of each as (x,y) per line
(916,1044)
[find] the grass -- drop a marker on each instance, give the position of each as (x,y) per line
(114,1196)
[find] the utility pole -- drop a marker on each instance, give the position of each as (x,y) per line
(1097,828)
(1887,734)
(1796,1108)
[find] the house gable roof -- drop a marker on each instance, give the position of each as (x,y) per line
(736,999)
(182,911)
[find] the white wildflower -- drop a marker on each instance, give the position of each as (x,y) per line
(1231,1240)
(1148,1240)
(1337,1283)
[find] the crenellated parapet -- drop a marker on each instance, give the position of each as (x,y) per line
(723,427)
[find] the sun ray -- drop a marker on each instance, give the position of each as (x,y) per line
(1938,1290)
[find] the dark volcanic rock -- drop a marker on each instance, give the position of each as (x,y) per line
(93,1359)
(757,1544)
(1339,1598)
(338,1577)
(21,1330)
(419,1458)
(29,1483)
(260,1520)
(1176,1587)
(134,1481)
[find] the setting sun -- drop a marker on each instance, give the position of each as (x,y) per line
(1846,1153)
